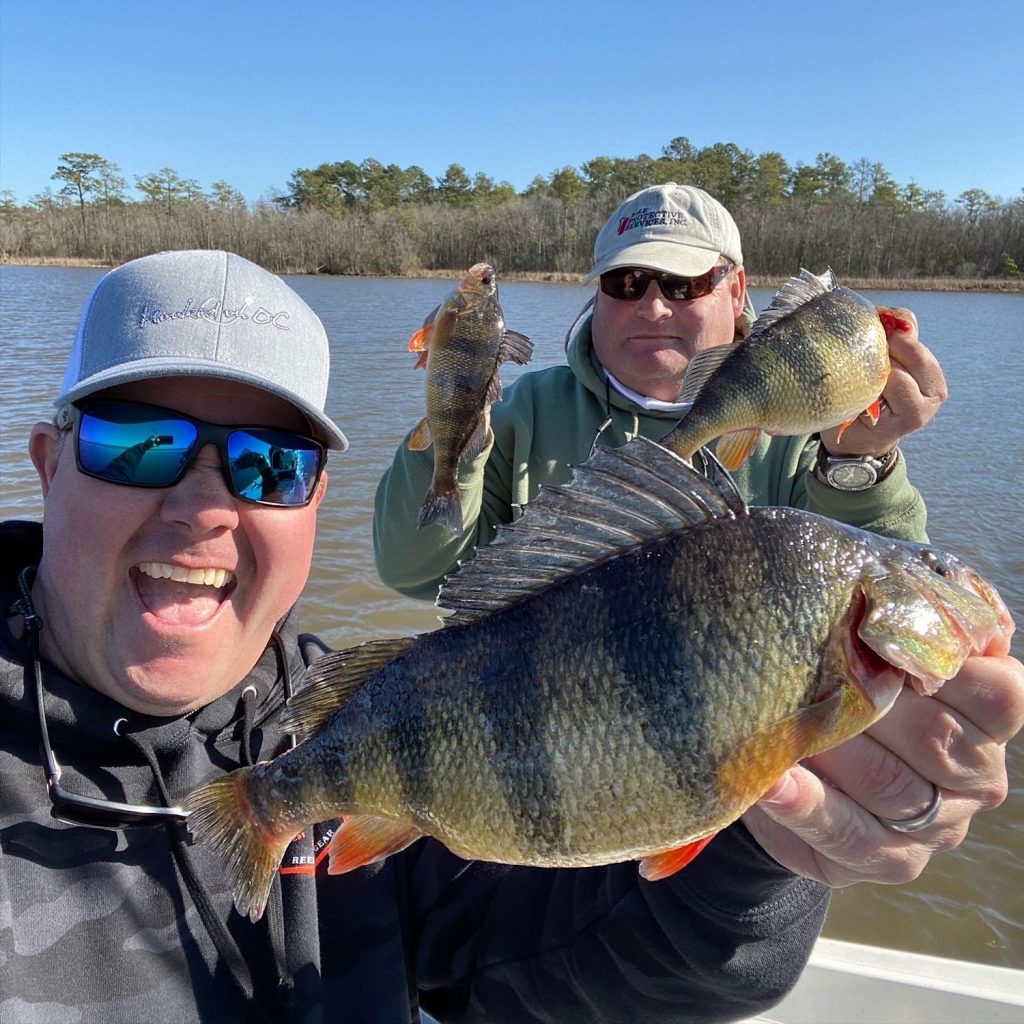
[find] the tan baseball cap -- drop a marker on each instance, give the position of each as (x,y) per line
(678,229)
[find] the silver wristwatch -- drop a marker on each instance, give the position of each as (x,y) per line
(854,472)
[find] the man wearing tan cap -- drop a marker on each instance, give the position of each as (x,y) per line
(671,283)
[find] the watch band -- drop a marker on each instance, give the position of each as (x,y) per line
(853,472)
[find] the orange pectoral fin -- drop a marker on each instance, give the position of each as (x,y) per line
(422,361)
(420,439)
(365,839)
(420,340)
(661,865)
(734,448)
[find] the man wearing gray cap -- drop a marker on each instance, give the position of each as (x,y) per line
(671,279)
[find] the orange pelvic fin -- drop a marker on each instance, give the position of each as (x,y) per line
(420,439)
(873,411)
(422,361)
(366,839)
(661,865)
(734,448)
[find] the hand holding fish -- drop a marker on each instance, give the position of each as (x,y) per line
(915,390)
(821,819)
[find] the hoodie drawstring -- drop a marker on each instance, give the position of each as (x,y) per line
(223,941)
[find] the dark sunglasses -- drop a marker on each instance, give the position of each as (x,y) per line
(86,810)
(143,445)
(630,283)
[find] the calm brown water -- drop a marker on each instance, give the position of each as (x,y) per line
(969,903)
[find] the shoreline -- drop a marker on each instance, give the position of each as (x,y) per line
(1008,285)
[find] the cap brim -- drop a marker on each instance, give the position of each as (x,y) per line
(670,257)
(148,369)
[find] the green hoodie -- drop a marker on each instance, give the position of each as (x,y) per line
(547,422)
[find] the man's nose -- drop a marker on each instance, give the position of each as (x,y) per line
(653,305)
(201,498)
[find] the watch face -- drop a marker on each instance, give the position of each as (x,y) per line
(851,476)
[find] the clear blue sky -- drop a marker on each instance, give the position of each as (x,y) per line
(247,91)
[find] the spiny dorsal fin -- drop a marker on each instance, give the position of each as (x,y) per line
(702,366)
(619,499)
(515,347)
(331,680)
(796,292)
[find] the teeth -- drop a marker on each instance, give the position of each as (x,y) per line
(178,573)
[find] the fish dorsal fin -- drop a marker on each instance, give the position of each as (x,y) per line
(515,347)
(702,366)
(796,292)
(619,499)
(331,680)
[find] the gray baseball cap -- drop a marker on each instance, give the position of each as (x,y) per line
(203,313)
(679,229)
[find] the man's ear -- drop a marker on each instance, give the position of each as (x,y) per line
(738,297)
(321,490)
(43,449)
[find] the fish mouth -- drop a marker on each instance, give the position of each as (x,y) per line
(181,595)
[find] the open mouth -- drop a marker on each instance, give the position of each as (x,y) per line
(181,596)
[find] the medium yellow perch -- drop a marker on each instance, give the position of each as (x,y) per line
(818,357)
(463,343)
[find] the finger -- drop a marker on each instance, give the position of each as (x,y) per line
(818,831)
(880,781)
(939,745)
(989,692)
(918,362)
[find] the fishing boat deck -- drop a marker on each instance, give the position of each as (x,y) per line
(846,983)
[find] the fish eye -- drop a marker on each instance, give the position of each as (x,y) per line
(934,561)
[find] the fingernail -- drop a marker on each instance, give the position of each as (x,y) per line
(784,791)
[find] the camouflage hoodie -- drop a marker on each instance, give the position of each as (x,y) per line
(129,927)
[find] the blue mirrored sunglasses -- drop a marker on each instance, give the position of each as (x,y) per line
(141,445)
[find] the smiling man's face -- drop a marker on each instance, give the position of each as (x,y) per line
(164,599)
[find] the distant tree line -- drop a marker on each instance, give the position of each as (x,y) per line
(368,218)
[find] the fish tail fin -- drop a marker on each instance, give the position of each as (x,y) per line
(222,815)
(443,508)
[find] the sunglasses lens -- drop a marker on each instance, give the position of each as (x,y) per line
(626,283)
(273,467)
(128,444)
(677,288)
